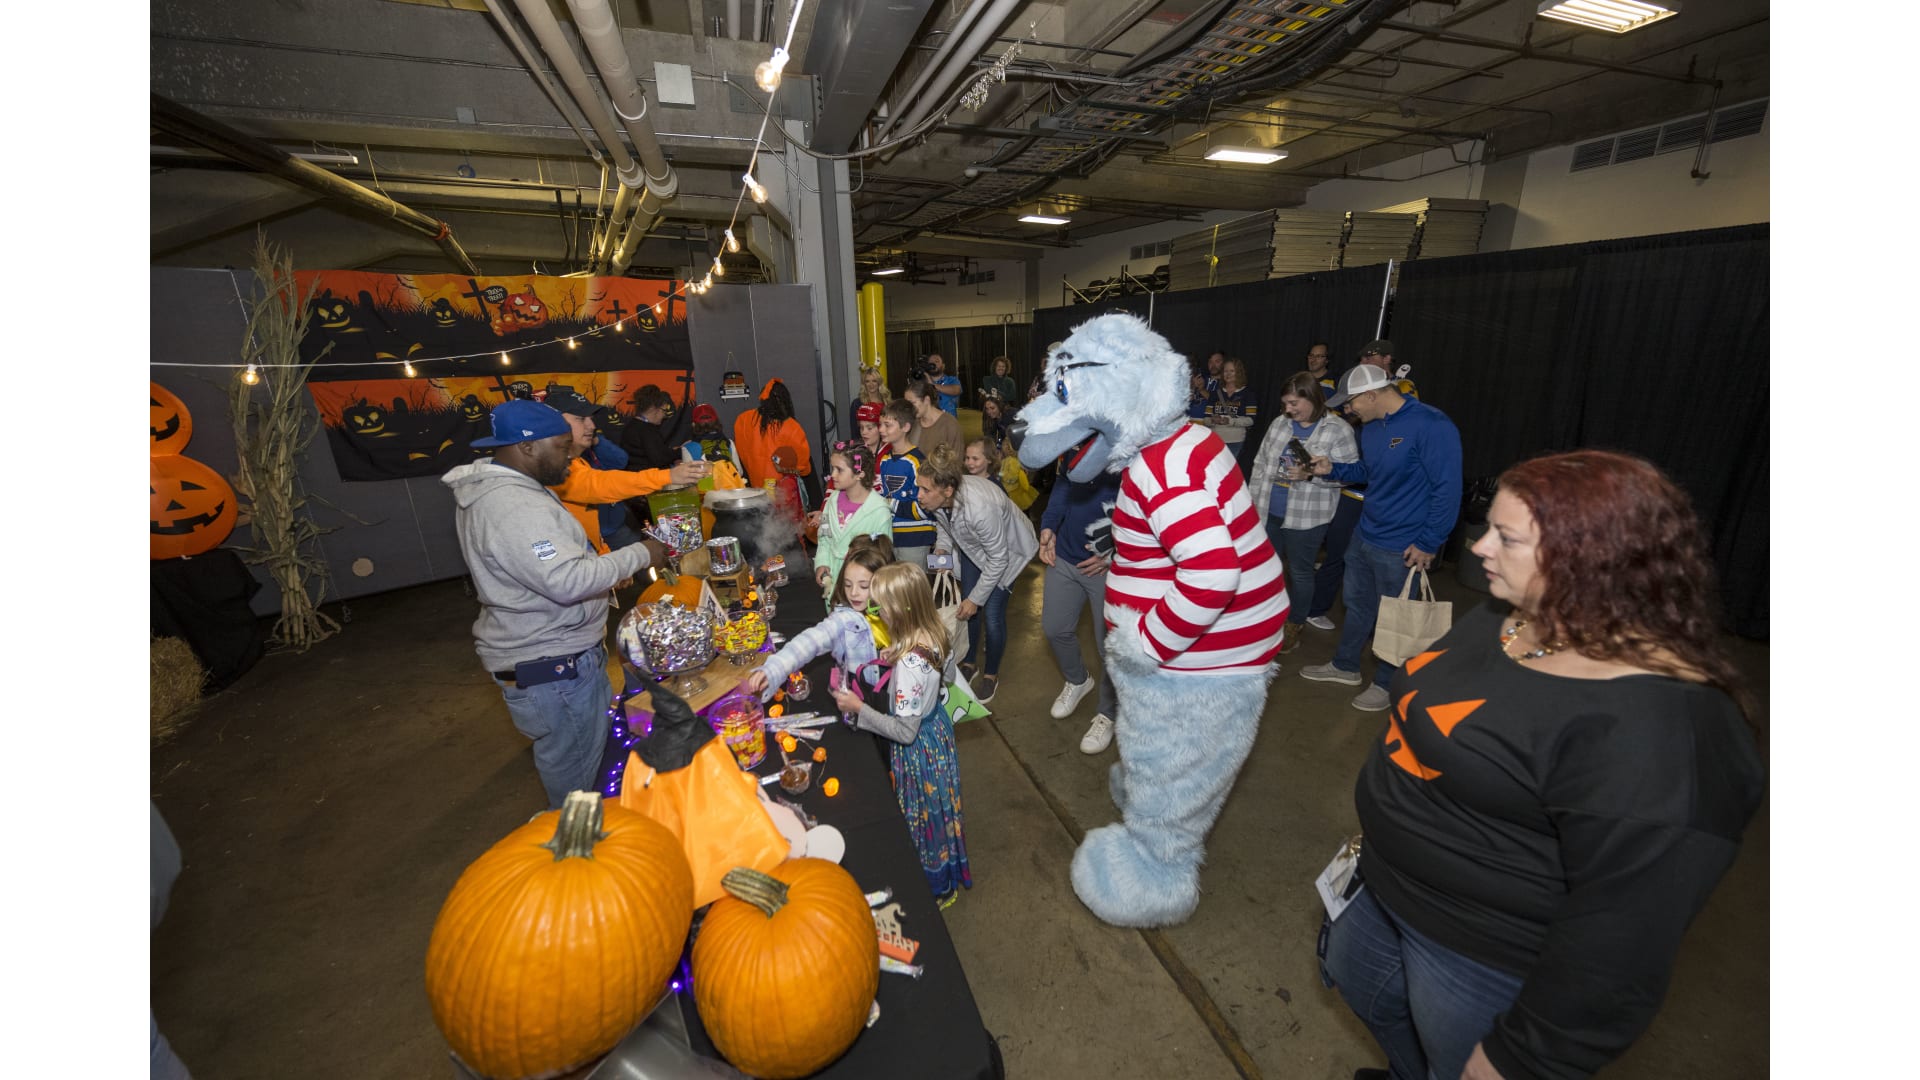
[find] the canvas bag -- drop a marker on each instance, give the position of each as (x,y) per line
(1409,624)
(946,600)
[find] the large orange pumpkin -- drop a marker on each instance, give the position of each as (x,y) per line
(193,508)
(785,968)
(556,942)
(169,423)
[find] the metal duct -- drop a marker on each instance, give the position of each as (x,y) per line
(601,33)
(546,30)
(569,111)
(959,30)
(733,18)
(183,123)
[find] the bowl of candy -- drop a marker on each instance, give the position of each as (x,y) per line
(741,638)
(668,641)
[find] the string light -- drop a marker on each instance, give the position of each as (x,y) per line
(409,369)
(505,360)
(656,310)
(252,377)
(754,189)
(620,326)
(706,283)
(572,344)
(733,243)
(767,75)
(719,268)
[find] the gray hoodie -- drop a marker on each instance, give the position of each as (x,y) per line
(542,587)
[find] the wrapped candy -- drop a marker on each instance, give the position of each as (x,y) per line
(665,638)
(743,636)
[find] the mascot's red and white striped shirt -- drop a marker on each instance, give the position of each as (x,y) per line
(1190,550)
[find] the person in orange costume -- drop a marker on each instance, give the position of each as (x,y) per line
(774,447)
(586,488)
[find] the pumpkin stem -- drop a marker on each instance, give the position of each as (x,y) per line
(579,827)
(762,890)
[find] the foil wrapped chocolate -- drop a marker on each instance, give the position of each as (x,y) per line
(665,638)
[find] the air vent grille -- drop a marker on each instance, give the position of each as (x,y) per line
(1739,121)
(1592,155)
(1732,122)
(1683,134)
(1640,144)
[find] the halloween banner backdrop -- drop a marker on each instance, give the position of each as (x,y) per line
(604,338)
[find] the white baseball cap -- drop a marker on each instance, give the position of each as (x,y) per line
(1358,380)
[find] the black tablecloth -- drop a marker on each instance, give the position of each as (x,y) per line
(929,1027)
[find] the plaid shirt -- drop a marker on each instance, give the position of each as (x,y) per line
(1309,503)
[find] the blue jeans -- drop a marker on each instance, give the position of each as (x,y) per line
(1297,547)
(1426,1005)
(1372,572)
(991,621)
(567,722)
(1326,580)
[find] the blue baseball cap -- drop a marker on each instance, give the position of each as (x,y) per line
(523,421)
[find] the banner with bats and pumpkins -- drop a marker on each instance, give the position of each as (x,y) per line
(473,342)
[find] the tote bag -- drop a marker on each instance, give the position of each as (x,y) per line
(946,599)
(1408,624)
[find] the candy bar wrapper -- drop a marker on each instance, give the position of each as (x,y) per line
(889,964)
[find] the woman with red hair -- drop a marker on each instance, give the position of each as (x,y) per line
(1564,778)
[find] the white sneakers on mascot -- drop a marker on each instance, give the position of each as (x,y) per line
(1195,603)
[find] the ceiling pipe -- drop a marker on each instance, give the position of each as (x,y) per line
(546,30)
(959,29)
(595,20)
(954,68)
(1528,52)
(759,27)
(733,19)
(568,110)
(183,123)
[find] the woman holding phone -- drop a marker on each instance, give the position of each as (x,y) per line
(1298,511)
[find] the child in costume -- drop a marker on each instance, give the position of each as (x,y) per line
(900,482)
(899,699)
(852,632)
(853,509)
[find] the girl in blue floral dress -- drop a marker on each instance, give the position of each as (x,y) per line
(902,704)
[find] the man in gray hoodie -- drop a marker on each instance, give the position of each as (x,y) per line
(543,592)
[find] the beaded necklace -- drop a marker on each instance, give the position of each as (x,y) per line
(1512,632)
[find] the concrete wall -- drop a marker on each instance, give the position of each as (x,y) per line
(953,304)
(1437,173)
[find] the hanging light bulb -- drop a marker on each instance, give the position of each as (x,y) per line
(733,243)
(719,268)
(767,75)
(251,376)
(656,310)
(408,368)
(706,283)
(572,344)
(754,189)
(620,326)
(505,360)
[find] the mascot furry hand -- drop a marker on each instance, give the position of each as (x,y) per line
(1195,603)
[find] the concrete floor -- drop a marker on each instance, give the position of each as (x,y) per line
(326,803)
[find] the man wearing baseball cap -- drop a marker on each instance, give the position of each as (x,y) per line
(591,486)
(543,591)
(1410,462)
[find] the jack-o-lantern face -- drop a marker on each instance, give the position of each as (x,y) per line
(648,324)
(525,309)
(193,508)
(443,313)
(608,422)
(333,313)
(520,390)
(367,421)
(472,408)
(169,424)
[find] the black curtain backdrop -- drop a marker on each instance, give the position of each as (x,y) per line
(968,352)
(1654,345)
(1268,324)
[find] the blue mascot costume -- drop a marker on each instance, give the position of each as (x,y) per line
(1195,603)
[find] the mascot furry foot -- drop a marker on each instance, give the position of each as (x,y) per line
(1195,597)
(1173,776)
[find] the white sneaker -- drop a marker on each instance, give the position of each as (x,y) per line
(1320,622)
(1372,699)
(1099,736)
(1069,700)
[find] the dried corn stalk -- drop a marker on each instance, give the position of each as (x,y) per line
(272,428)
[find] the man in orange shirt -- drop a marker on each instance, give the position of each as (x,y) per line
(586,488)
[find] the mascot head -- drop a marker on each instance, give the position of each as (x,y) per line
(1113,387)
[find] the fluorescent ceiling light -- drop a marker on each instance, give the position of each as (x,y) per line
(1042,219)
(1246,155)
(889,270)
(1614,16)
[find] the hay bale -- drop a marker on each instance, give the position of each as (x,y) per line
(177,679)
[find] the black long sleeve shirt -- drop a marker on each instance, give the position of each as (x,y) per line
(1564,830)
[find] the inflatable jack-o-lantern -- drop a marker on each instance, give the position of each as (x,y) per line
(169,424)
(193,508)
